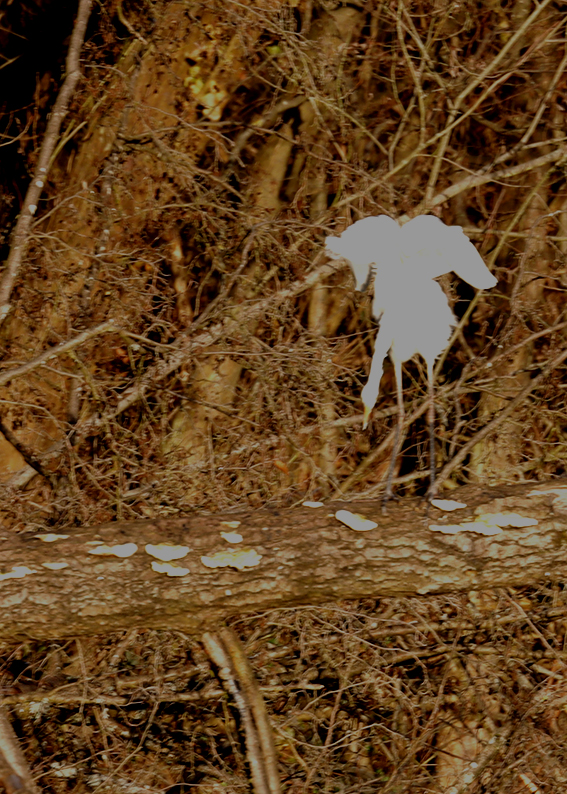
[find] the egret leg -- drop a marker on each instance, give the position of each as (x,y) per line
(431,424)
(398,436)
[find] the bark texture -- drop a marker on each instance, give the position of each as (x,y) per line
(298,556)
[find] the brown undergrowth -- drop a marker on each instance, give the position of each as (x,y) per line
(461,693)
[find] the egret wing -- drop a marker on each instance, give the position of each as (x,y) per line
(431,249)
(467,262)
(372,240)
(424,247)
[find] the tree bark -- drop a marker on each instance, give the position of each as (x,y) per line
(302,556)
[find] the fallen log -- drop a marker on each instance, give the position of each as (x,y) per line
(187,573)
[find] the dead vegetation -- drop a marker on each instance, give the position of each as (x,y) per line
(463,693)
(213,359)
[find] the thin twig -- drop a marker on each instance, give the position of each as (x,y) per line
(450,467)
(63,347)
(475,180)
(456,119)
(186,348)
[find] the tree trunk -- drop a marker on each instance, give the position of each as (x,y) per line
(63,586)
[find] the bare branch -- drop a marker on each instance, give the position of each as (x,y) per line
(58,350)
(20,237)
(186,347)
(14,769)
(475,180)
(499,418)
(226,651)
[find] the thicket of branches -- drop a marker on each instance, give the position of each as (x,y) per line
(187,201)
(211,357)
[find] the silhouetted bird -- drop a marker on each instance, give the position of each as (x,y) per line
(413,310)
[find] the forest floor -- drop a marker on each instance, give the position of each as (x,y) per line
(444,694)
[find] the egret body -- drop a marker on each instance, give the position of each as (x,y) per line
(413,310)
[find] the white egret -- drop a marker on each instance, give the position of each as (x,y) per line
(413,310)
